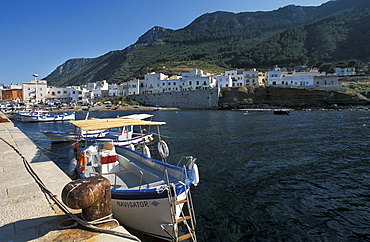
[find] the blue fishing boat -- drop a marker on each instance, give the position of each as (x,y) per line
(148,195)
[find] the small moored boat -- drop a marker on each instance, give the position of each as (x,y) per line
(60,136)
(45,116)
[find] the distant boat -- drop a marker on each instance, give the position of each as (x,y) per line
(45,116)
(60,136)
(157,108)
(282,112)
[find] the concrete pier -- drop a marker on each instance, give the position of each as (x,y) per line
(27,212)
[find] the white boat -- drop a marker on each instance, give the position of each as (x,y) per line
(125,135)
(60,136)
(147,194)
(45,116)
(157,108)
(18,113)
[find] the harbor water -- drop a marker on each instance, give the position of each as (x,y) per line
(264,177)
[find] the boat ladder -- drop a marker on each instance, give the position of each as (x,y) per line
(186,220)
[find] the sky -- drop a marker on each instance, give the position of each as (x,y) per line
(39,35)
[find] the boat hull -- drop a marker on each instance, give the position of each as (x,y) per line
(146,213)
(136,140)
(57,136)
(47,118)
(142,202)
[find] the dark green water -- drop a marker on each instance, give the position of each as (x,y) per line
(264,177)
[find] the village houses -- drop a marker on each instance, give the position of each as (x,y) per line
(38,91)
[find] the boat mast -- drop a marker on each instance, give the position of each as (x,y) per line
(36,75)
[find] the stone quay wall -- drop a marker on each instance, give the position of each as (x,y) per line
(195,99)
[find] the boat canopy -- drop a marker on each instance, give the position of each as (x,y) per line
(108,123)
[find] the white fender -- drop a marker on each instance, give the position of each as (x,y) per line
(131,146)
(146,151)
(72,166)
(194,169)
(71,153)
(163,149)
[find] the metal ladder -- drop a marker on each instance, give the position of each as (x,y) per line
(186,220)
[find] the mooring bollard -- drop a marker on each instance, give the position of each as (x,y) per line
(92,195)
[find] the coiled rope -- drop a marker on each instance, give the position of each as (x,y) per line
(64,208)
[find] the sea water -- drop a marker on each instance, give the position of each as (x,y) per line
(264,177)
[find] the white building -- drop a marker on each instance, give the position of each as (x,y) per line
(63,94)
(278,77)
(152,82)
(345,71)
(34,91)
(241,77)
(98,87)
(196,79)
(131,87)
(237,77)
(113,90)
(326,81)
(171,85)
(224,81)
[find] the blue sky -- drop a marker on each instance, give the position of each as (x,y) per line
(39,35)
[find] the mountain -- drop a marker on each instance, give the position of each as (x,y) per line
(214,42)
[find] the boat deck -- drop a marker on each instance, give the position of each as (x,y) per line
(135,176)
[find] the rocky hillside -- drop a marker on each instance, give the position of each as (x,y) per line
(289,36)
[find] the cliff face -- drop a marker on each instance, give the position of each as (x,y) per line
(250,97)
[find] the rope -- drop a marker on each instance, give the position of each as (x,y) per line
(61,205)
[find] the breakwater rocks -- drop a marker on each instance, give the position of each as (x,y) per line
(293,97)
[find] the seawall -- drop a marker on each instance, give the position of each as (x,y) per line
(195,99)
